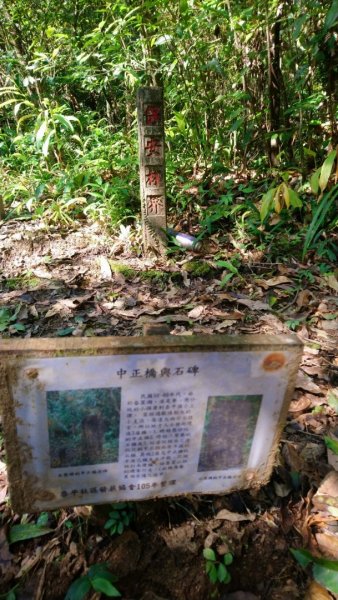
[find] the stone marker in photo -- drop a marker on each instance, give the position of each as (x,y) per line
(100,420)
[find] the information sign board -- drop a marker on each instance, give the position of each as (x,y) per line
(109,419)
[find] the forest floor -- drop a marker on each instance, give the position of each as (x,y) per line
(81,282)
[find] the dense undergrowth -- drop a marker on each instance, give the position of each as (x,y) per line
(250,116)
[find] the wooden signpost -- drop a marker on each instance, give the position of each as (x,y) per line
(99,420)
(152,167)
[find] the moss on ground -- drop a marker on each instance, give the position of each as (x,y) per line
(195,268)
(154,275)
(125,270)
(27,280)
(198,268)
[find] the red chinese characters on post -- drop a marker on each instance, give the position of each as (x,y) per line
(155,205)
(153,178)
(153,147)
(152,115)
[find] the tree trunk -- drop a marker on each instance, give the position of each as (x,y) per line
(275,85)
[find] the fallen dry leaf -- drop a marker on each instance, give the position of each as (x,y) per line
(254,304)
(178,318)
(317,592)
(279,280)
(328,544)
(331,456)
(66,306)
(227,515)
(291,456)
(330,326)
(196,312)
(300,405)
(331,281)
(304,297)
(221,296)
(282,488)
(186,280)
(84,511)
(314,370)
(326,497)
(303,382)
(42,273)
(235,314)
(29,561)
(224,325)
(312,452)
(105,268)
(5,555)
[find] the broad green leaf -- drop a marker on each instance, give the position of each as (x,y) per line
(222,572)
(65,331)
(228,265)
(228,578)
(304,557)
(7,102)
(318,218)
(181,122)
(41,131)
(10,596)
(19,533)
(120,528)
(115,514)
(228,558)
(325,572)
(19,327)
(267,202)
(314,181)
(45,146)
(24,118)
(209,554)
(42,519)
(78,589)
(4,90)
(331,444)
(278,206)
(332,15)
(101,570)
(65,121)
(17,108)
(225,279)
(100,584)
(213,575)
(326,169)
(109,523)
(286,194)
(332,400)
(163,39)
(77,138)
(295,200)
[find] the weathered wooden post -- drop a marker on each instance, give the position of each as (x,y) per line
(152,167)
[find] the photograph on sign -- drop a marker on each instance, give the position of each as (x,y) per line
(228,432)
(96,429)
(83,426)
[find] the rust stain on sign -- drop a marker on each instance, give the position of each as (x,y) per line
(31,373)
(274,361)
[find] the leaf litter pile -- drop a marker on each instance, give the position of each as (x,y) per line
(85,283)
